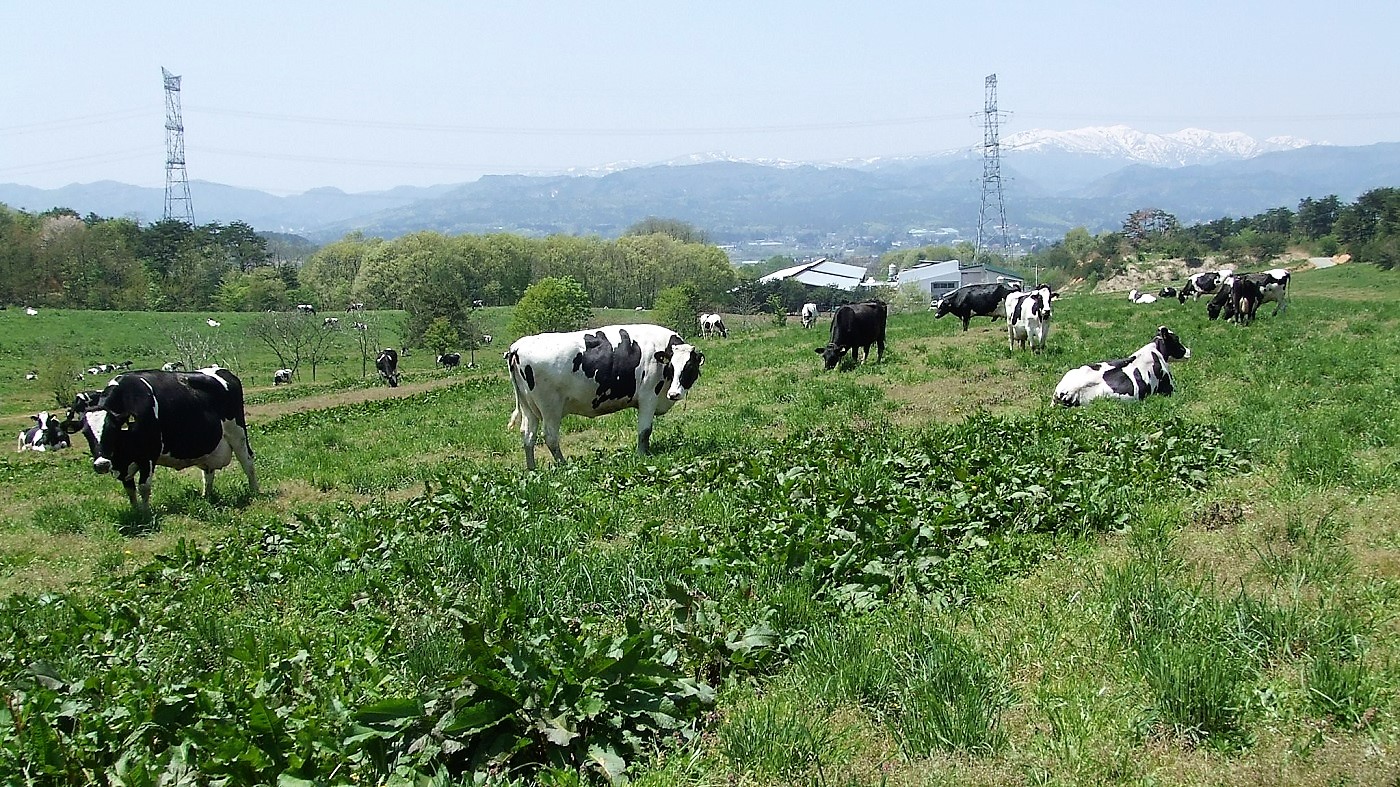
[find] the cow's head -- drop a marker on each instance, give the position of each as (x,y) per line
(944,306)
(682,364)
(832,354)
(125,404)
(1170,344)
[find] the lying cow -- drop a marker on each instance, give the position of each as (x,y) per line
(596,372)
(1203,283)
(712,324)
(1134,296)
(173,366)
(173,419)
(855,326)
(282,377)
(981,300)
(809,315)
(1167,292)
(1136,377)
(45,435)
(388,365)
(1028,318)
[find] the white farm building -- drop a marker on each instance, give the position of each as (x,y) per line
(825,273)
(938,278)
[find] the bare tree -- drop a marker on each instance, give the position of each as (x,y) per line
(295,338)
(197,349)
(366,342)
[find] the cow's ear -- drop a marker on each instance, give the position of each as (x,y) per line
(701,356)
(819,350)
(663,357)
(35,418)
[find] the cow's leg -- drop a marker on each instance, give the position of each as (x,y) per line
(646,416)
(237,437)
(966,320)
(208,483)
(879,344)
(130,484)
(529,426)
(551,435)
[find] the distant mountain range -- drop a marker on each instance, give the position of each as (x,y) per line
(1052,182)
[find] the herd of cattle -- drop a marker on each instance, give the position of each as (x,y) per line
(178,419)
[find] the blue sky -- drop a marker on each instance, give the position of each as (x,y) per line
(288,96)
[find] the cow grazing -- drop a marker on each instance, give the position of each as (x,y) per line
(855,326)
(713,324)
(1141,297)
(980,300)
(809,315)
(1203,283)
(486,338)
(354,307)
(1028,318)
(282,376)
(173,366)
(45,435)
(450,360)
(306,308)
(1167,292)
(596,372)
(1272,287)
(173,419)
(1136,377)
(388,365)
(331,322)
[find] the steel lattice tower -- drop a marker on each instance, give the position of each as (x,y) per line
(177,182)
(991,170)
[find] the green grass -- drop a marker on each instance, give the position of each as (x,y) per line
(907,572)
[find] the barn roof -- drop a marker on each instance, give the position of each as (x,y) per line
(824,273)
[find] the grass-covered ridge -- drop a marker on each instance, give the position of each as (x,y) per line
(903,572)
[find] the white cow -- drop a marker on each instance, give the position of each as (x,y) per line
(712,324)
(1028,318)
(282,376)
(1141,297)
(1136,377)
(809,315)
(596,372)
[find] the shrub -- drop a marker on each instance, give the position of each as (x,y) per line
(552,304)
(676,308)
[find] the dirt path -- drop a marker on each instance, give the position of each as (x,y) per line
(261,412)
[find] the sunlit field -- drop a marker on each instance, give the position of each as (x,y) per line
(907,572)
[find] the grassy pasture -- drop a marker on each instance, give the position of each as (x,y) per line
(908,572)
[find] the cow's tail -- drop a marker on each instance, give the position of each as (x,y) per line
(513,360)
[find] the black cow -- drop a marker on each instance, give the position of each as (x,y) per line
(1167,292)
(388,365)
(450,360)
(982,300)
(174,419)
(853,327)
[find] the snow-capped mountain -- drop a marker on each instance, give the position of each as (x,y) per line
(1177,149)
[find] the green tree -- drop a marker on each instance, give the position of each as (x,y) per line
(674,228)
(554,303)
(440,336)
(677,308)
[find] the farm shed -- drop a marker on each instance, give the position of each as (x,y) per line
(938,278)
(825,273)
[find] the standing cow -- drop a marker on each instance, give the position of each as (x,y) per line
(282,377)
(596,372)
(174,419)
(1203,283)
(1028,318)
(809,315)
(1136,377)
(855,326)
(45,435)
(450,360)
(982,300)
(388,365)
(712,324)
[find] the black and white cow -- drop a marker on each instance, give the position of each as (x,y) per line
(1167,292)
(388,365)
(1136,377)
(1203,283)
(596,372)
(173,419)
(1138,297)
(855,326)
(712,324)
(306,308)
(450,360)
(809,315)
(355,307)
(282,377)
(45,435)
(981,300)
(331,322)
(1272,285)
(173,366)
(1028,318)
